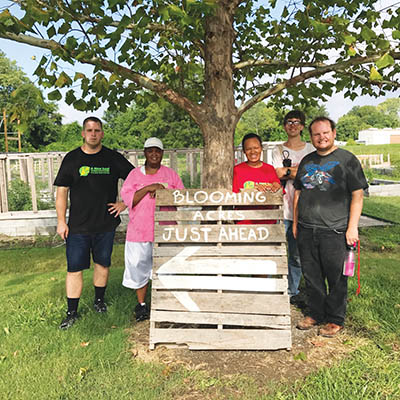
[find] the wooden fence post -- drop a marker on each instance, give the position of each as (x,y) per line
(8,168)
(32,184)
(23,172)
(173,161)
(3,187)
(50,176)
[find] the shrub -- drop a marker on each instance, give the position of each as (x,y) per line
(19,196)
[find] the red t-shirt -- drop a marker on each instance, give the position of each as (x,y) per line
(246,177)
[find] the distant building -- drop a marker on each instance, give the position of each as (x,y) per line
(379,136)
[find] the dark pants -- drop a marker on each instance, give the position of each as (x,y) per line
(322,254)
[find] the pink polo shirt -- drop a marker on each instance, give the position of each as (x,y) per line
(141,217)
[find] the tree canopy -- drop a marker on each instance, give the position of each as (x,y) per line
(215,59)
(23,101)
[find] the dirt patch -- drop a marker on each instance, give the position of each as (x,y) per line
(309,352)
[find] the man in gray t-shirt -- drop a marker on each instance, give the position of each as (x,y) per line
(328,202)
(294,149)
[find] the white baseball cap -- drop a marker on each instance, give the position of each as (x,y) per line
(153,142)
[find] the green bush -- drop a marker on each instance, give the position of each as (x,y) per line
(19,196)
(185,176)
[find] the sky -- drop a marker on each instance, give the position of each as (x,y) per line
(28,57)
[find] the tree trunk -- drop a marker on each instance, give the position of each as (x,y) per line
(219,113)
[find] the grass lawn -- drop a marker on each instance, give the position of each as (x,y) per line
(93,360)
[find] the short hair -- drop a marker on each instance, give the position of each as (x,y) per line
(295,114)
(322,119)
(93,119)
(251,136)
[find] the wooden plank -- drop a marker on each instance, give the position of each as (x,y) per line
(215,215)
(224,266)
(238,303)
(224,250)
(220,233)
(212,197)
(224,339)
(256,320)
(232,283)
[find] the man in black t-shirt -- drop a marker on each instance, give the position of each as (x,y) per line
(327,206)
(89,174)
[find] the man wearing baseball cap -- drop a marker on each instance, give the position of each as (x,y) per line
(138,193)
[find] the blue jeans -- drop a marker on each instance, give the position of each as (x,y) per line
(80,246)
(322,254)
(294,266)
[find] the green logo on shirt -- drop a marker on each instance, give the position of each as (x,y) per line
(85,171)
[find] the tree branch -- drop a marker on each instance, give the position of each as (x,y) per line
(317,72)
(143,81)
(369,81)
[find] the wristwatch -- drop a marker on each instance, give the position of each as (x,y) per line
(288,172)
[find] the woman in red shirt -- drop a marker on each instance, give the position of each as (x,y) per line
(254,174)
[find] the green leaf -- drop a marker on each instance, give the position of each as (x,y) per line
(70,97)
(79,75)
(385,61)
(51,31)
(383,44)
(351,51)
(349,39)
(113,78)
(64,28)
(80,105)
(367,33)
(54,95)
(396,34)
(63,80)
(374,75)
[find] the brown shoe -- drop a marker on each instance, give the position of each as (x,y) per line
(330,329)
(306,323)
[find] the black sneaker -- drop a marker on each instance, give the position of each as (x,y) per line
(70,319)
(141,312)
(100,306)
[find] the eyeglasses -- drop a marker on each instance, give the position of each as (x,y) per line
(293,123)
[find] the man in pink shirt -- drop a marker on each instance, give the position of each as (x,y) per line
(138,193)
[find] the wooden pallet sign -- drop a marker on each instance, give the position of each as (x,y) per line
(217,284)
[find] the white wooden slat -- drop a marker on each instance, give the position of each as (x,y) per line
(223,339)
(174,282)
(224,266)
(256,320)
(219,233)
(239,303)
(215,215)
(225,250)
(216,197)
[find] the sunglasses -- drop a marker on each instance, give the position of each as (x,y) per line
(293,122)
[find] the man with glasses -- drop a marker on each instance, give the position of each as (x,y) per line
(328,202)
(286,158)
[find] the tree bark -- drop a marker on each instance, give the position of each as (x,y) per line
(219,113)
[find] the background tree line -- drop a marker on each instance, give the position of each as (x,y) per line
(152,116)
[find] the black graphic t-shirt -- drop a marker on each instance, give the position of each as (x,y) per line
(93,182)
(326,184)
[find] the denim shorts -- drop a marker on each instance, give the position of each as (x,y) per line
(79,247)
